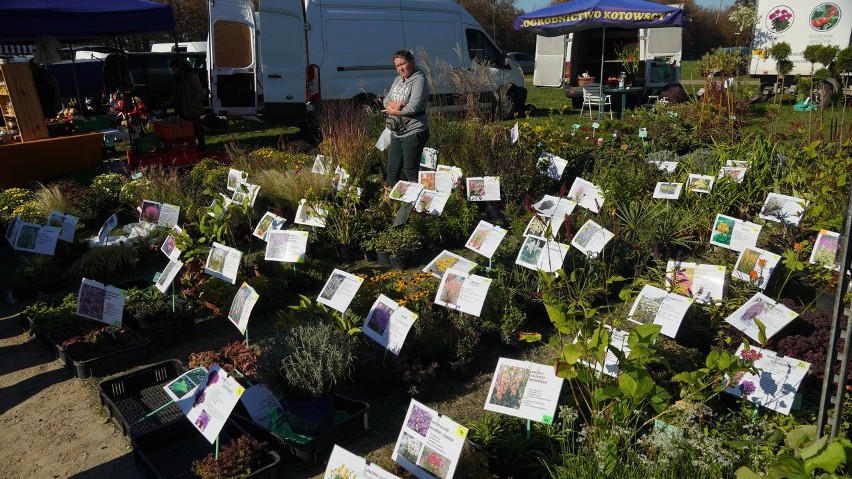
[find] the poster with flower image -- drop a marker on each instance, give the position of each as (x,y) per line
(446,260)
(755,266)
(483,188)
(321,165)
(160,214)
(462,291)
(733,173)
(779,19)
(344,465)
(783,209)
(109,224)
(657,306)
(35,238)
(429,158)
(455,172)
(100,302)
(235,177)
(667,191)
(703,282)
(541,254)
(223,262)
(168,275)
(429,443)
(388,323)
(586,195)
(13,229)
(591,238)
(185,384)
(406,191)
(525,390)
(733,233)
(431,202)
(67,225)
(485,238)
(268,222)
(245,194)
(339,290)
(310,214)
(700,183)
(777,380)
(665,166)
(554,206)
(169,246)
(210,404)
(772,314)
(288,246)
(551,165)
(825,249)
(241,307)
(436,180)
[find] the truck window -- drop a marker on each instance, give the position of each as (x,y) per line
(480,48)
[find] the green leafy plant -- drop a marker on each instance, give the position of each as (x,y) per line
(806,457)
(106,262)
(397,241)
(49,315)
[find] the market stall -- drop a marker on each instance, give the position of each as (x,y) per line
(30,148)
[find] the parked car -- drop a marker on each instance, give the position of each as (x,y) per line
(524,60)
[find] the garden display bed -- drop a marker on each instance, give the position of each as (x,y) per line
(351,420)
(134,348)
(130,397)
(169,451)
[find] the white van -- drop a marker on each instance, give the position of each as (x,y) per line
(191,47)
(284,60)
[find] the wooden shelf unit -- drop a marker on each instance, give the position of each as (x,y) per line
(19,102)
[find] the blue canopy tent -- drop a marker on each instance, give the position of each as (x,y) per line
(577,15)
(70,20)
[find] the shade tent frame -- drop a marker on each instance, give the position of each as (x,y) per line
(578,15)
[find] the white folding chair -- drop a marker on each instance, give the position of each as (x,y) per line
(591,97)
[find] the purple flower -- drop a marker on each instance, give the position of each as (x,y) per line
(746,388)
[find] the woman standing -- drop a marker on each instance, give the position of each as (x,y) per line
(405,105)
(188,99)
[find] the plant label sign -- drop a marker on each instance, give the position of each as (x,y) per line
(289,246)
(524,389)
(553,206)
(168,275)
(485,238)
(446,260)
(643,133)
(462,291)
(455,172)
(160,214)
(755,266)
(667,191)
(429,444)
(774,316)
(241,307)
(586,194)
(100,302)
(344,465)
(703,282)
(339,290)
(541,254)
(783,209)
(211,402)
(310,215)
(657,306)
(441,181)
(109,224)
(431,202)
(235,177)
(223,262)
(617,340)
(12,229)
(776,382)
(732,233)
(406,191)
(700,183)
(265,409)
(825,250)
(429,158)
(388,323)
(35,238)
(666,166)
(66,224)
(169,246)
(551,165)
(245,194)
(183,385)
(591,238)
(483,188)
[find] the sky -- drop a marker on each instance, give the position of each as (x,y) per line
(530,5)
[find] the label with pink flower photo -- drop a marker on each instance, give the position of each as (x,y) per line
(525,390)
(703,282)
(345,465)
(483,188)
(777,380)
(779,19)
(774,316)
(462,291)
(586,194)
(100,302)
(429,444)
(212,401)
(825,249)
(485,238)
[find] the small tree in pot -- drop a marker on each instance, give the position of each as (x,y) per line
(305,363)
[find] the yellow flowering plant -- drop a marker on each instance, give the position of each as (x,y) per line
(408,288)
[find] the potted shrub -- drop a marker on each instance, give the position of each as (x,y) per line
(231,357)
(97,350)
(305,363)
(341,223)
(398,243)
(27,274)
(42,317)
(465,338)
(157,315)
(242,457)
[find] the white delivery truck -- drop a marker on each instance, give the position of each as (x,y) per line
(799,23)
(568,60)
(290,56)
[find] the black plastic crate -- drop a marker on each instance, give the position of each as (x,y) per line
(169,451)
(308,452)
(130,397)
(103,365)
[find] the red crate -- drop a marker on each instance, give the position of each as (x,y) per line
(179,145)
(173,129)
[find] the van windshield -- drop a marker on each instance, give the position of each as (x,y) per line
(480,49)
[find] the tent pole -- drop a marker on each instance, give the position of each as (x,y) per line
(81,105)
(601,78)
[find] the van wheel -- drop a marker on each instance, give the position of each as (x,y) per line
(505,104)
